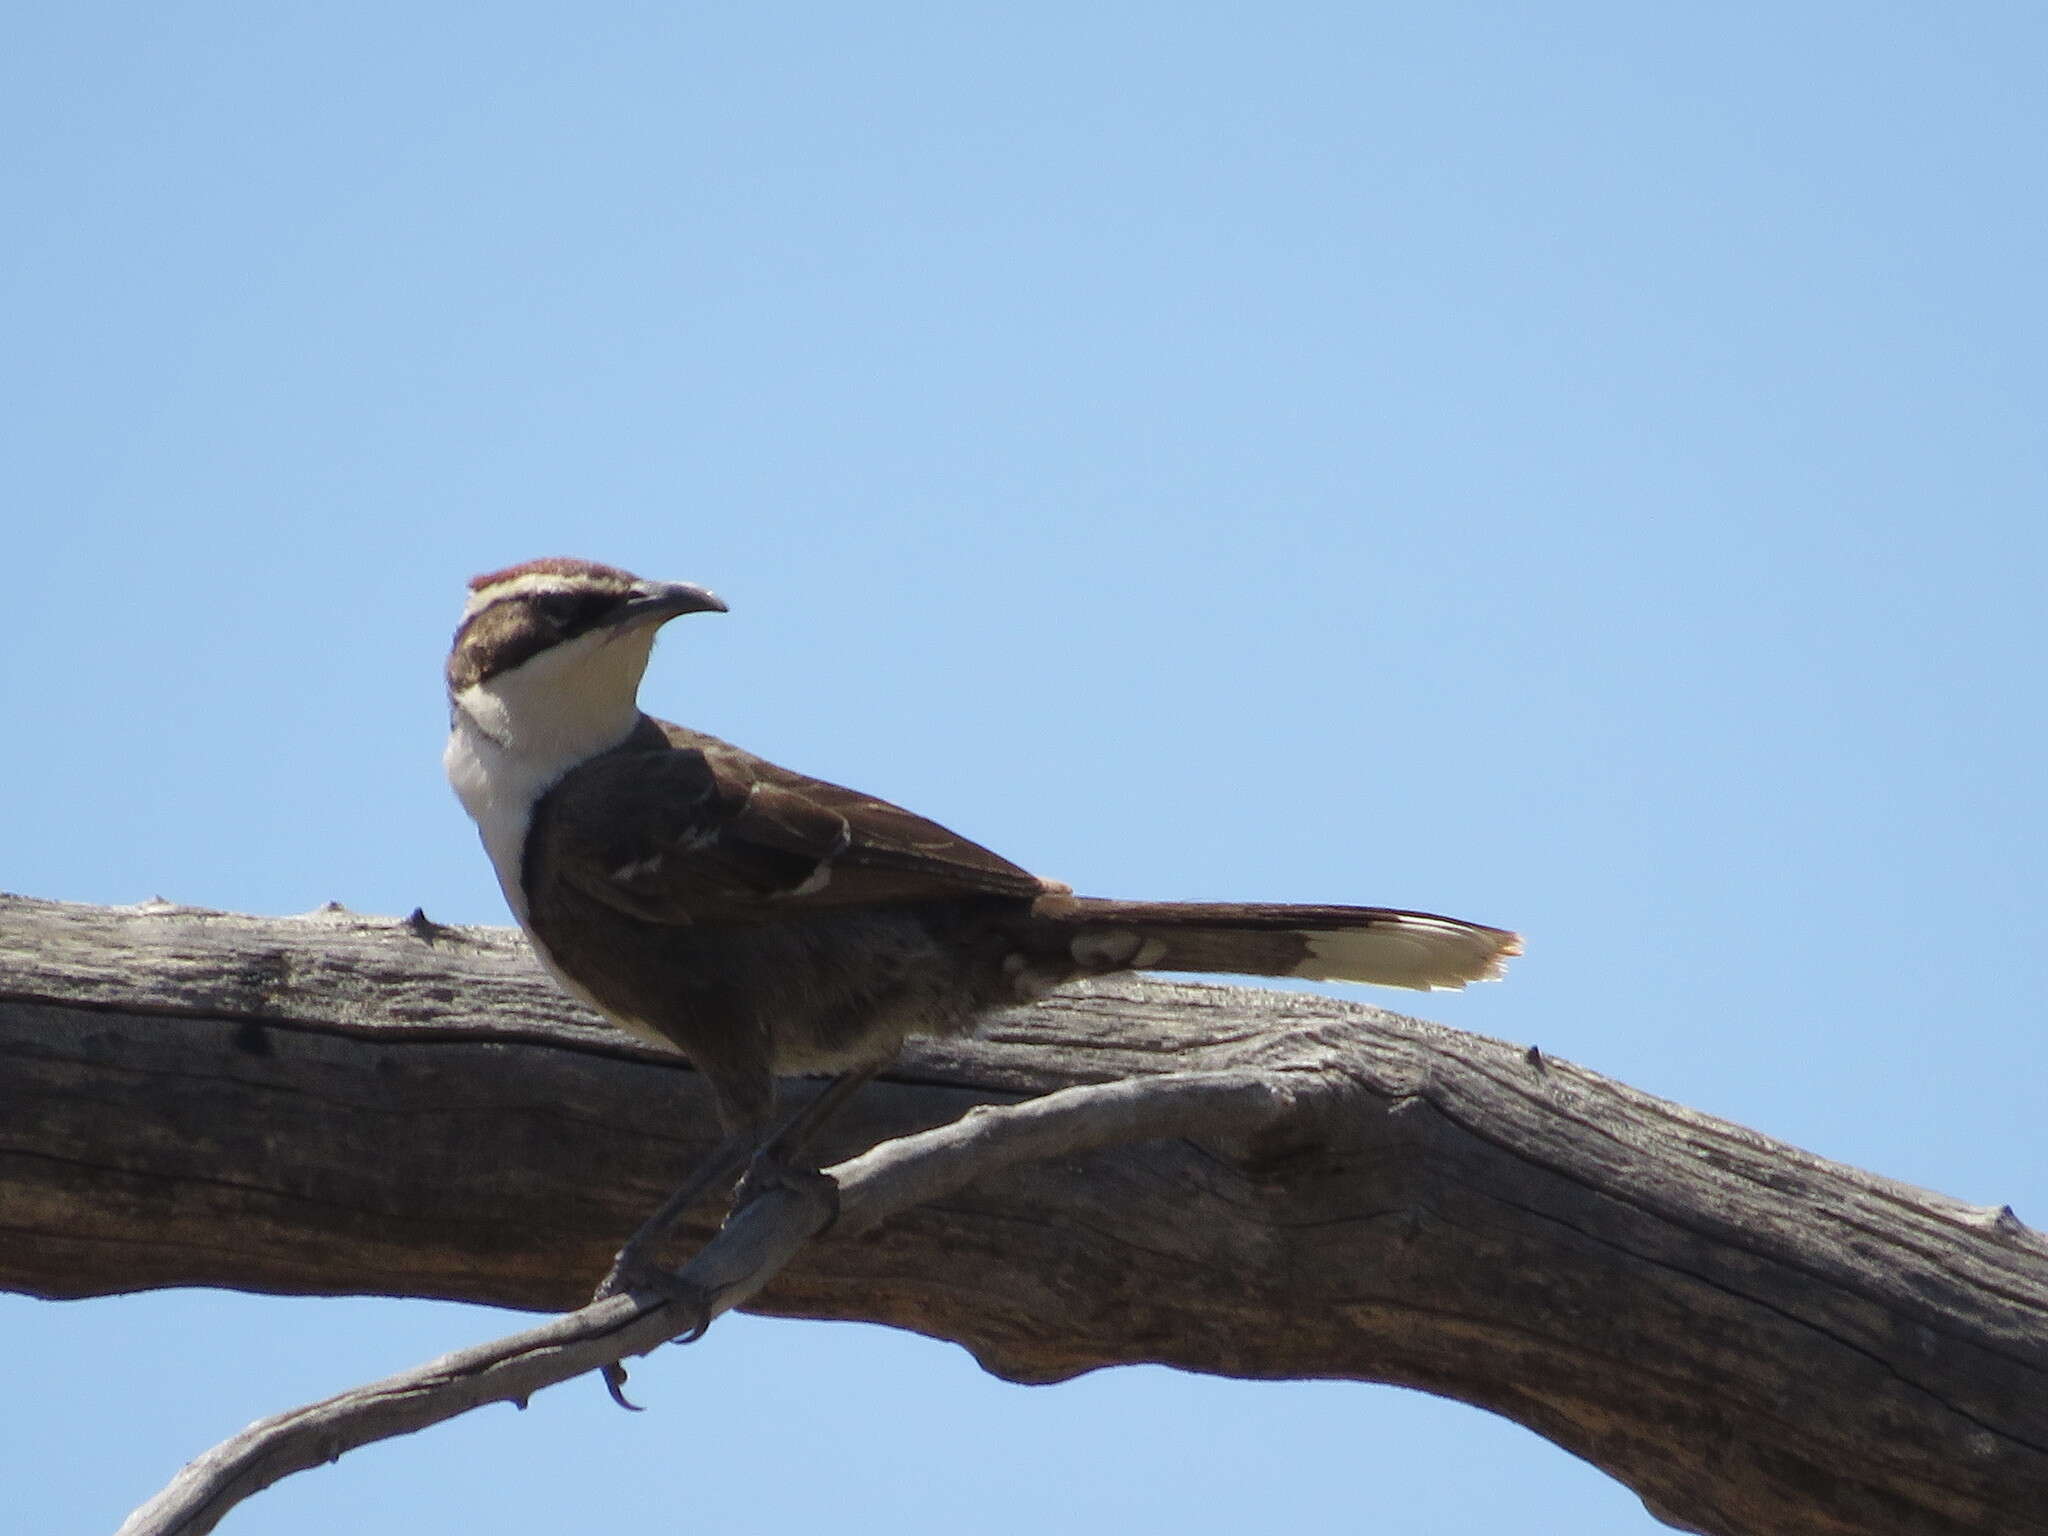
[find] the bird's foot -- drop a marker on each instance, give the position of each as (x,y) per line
(813,1185)
(635,1272)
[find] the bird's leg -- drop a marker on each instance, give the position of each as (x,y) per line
(634,1264)
(768,1159)
(779,1160)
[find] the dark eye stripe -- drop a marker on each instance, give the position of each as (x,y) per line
(574,612)
(500,635)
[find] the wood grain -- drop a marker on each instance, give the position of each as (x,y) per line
(1752,1338)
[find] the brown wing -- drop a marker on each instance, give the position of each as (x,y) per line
(698,831)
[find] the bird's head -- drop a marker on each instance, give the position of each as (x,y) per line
(548,657)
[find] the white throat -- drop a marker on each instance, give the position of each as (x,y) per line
(514,737)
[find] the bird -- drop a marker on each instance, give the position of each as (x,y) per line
(768,924)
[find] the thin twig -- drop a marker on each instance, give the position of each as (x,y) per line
(746,1253)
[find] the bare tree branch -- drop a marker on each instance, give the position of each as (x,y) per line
(747,1253)
(1754,1339)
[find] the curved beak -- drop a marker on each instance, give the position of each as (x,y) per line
(665,600)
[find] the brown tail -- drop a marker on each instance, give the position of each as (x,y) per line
(1372,944)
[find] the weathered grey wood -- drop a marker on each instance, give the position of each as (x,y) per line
(1754,1339)
(749,1250)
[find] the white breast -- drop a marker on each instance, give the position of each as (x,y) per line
(499,789)
(516,736)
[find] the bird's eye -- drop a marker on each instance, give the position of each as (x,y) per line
(572,612)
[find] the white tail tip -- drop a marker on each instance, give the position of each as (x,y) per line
(1426,953)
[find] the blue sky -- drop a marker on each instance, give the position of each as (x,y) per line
(1579,467)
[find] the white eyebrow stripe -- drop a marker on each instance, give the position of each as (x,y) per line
(519,586)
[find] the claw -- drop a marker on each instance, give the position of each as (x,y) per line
(628,1275)
(615,1383)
